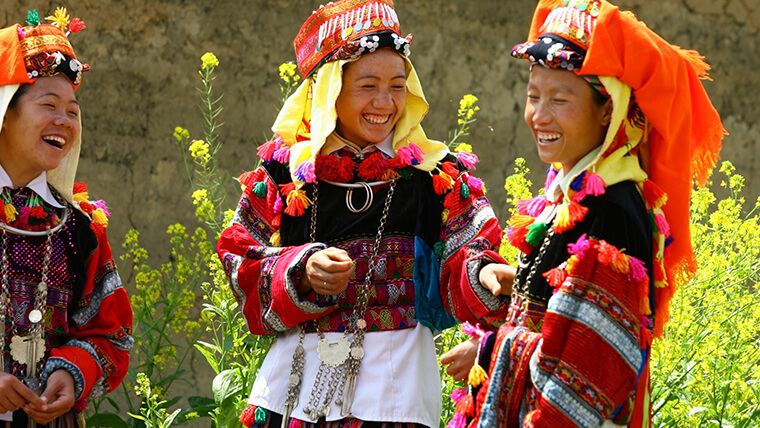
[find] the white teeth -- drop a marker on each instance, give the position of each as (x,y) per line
(548,136)
(376,119)
(55,140)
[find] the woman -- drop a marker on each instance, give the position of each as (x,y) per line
(358,237)
(623,120)
(65,317)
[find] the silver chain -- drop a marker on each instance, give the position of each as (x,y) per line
(343,376)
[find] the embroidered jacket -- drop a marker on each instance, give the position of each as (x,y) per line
(575,346)
(431,251)
(90,317)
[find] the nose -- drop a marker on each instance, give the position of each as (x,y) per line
(539,113)
(63,118)
(383,99)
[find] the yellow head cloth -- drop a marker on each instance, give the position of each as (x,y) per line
(310,112)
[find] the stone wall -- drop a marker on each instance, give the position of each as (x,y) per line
(145,55)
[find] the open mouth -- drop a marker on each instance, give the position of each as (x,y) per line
(54,141)
(377,119)
(547,137)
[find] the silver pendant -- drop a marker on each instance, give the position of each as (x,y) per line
(27,350)
(333,352)
(35,316)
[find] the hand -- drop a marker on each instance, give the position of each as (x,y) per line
(327,272)
(460,359)
(498,278)
(14,394)
(57,399)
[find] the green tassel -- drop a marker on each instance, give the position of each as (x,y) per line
(33,18)
(654,223)
(260,416)
(464,191)
(260,189)
(536,233)
(406,172)
(438,248)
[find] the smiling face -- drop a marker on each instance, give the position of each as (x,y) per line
(40,129)
(566,120)
(372,98)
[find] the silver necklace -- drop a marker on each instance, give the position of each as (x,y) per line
(27,350)
(340,359)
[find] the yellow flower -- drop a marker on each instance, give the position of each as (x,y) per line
(463,147)
(288,73)
(60,19)
(210,61)
(199,150)
(181,133)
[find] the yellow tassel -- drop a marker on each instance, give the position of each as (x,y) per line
(644,306)
(477,375)
(620,263)
(81,197)
(10,213)
(275,239)
(300,194)
(563,215)
(445,216)
(100,217)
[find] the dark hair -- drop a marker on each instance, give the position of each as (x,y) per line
(19,93)
(599,98)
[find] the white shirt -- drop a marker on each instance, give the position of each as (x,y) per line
(39,185)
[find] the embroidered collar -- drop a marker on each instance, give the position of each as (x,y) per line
(39,185)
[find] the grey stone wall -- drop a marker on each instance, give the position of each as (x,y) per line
(145,55)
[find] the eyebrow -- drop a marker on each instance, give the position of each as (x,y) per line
(53,94)
(372,76)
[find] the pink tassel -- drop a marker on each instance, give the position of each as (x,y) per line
(580,246)
(295,423)
(468,159)
(458,394)
(266,150)
(662,224)
(550,176)
(532,207)
(278,205)
(282,155)
(305,172)
(638,270)
(475,183)
(102,205)
(473,331)
(595,184)
(458,421)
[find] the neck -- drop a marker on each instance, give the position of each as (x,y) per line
(19,177)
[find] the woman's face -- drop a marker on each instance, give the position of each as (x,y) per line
(39,131)
(372,98)
(567,123)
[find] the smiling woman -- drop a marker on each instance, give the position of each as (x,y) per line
(64,317)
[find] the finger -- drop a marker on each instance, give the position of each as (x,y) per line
(337,254)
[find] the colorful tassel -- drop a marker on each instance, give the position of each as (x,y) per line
(606,253)
(442,183)
(282,155)
(438,248)
(653,195)
(580,246)
(10,213)
(595,184)
(458,421)
(248,415)
(532,207)
(644,306)
(521,221)
(476,183)
(464,191)
(468,159)
(297,202)
(260,189)
(100,217)
(458,394)
(275,239)
(577,183)
(295,423)
(477,375)
(662,224)
(536,233)
(278,205)
(305,172)
(516,237)
(266,150)
(551,174)
(620,264)
(555,277)
(466,407)
(410,155)
(638,271)
(260,416)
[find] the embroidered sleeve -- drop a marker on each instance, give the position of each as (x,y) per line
(470,238)
(263,275)
(97,354)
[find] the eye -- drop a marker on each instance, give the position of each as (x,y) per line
(74,113)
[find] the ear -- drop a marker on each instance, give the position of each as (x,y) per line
(607,112)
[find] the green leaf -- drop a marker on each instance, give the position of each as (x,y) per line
(226,384)
(106,419)
(209,352)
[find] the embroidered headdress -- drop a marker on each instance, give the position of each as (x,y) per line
(658,99)
(41,50)
(332,36)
